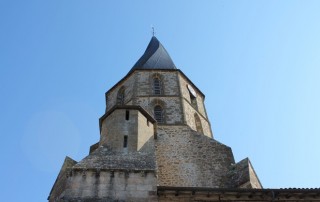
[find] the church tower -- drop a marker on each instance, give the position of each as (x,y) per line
(155,84)
(155,137)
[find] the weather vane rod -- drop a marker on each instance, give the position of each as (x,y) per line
(153,31)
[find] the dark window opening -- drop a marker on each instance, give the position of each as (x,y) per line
(120,96)
(193,100)
(156,86)
(158,114)
(125,142)
(127,115)
(147,122)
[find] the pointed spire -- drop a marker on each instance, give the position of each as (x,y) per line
(155,57)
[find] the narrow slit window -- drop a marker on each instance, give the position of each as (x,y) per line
(125,142)
(157,86)
(127,115)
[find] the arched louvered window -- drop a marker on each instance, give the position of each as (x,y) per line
(157,90)
(120,96)
(198,123)
(158,114)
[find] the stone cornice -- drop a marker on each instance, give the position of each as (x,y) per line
(237,194)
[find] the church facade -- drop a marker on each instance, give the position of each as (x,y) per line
(156,144)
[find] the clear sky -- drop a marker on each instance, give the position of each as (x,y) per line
(257,62)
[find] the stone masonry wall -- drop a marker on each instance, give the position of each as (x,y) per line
(61,181)
(106,185)
(128,84)
(139,91)
(144,84)
(115,127)
(137,128)
(242,175)
(187,159)
(169,99)
(186,95)
(171,106)
(189,112)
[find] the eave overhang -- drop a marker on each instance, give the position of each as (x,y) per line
(128,107)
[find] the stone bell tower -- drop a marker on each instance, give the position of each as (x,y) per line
(155,84)
(155,136)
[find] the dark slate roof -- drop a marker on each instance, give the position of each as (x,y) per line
(155,57)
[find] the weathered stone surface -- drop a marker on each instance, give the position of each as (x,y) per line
(128,84)
(175,96)
(186,94)
(168,79)
(61,181)
(129,123)
(111,186)
(190,112)
(186,158)
(242,175)
(171,106)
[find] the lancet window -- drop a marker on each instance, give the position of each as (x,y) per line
(158,114)
(157,86)
(120,96)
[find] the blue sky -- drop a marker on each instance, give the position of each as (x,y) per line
(256,61)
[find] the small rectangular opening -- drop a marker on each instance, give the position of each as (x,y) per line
(127,115)
(147,122)
(125,141)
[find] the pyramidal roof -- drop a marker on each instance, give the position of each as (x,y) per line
(155,57)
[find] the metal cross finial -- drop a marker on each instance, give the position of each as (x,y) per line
(153,31)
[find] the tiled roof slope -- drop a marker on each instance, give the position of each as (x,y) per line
(102,158)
